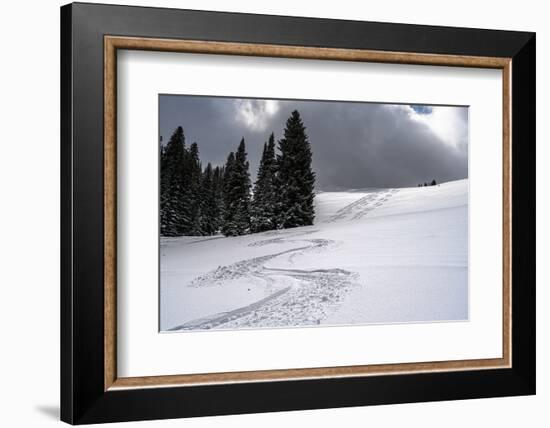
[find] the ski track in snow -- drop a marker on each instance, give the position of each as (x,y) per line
(313,295)
(362,206)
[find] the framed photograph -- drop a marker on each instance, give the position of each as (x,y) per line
(265,213)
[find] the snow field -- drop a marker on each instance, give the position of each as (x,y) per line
(373,256)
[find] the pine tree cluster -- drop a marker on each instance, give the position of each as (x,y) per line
(199,202)
(433,183)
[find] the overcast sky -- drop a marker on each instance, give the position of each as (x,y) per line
(354,145)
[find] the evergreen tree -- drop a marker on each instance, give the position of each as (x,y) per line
(209,219)
(433,183)
(217,188)
(237,194)
(172,216)
(265,195)
(193,197)
(227,214)
(295,178)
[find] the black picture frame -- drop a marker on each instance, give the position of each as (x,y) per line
(83,397)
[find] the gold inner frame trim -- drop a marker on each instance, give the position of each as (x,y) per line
(113,43)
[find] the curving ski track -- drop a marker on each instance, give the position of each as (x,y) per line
(312,295)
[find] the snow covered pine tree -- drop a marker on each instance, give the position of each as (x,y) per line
(236,193)
(210,208)
(217,185)
(237,221)
(194,197)
(295,178)
(265,194)
(173,221)
(227,215)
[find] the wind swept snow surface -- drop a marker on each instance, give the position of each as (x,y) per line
(373,256)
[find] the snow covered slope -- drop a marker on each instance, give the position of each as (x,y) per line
(377,256)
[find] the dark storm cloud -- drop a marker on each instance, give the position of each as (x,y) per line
(355,145)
